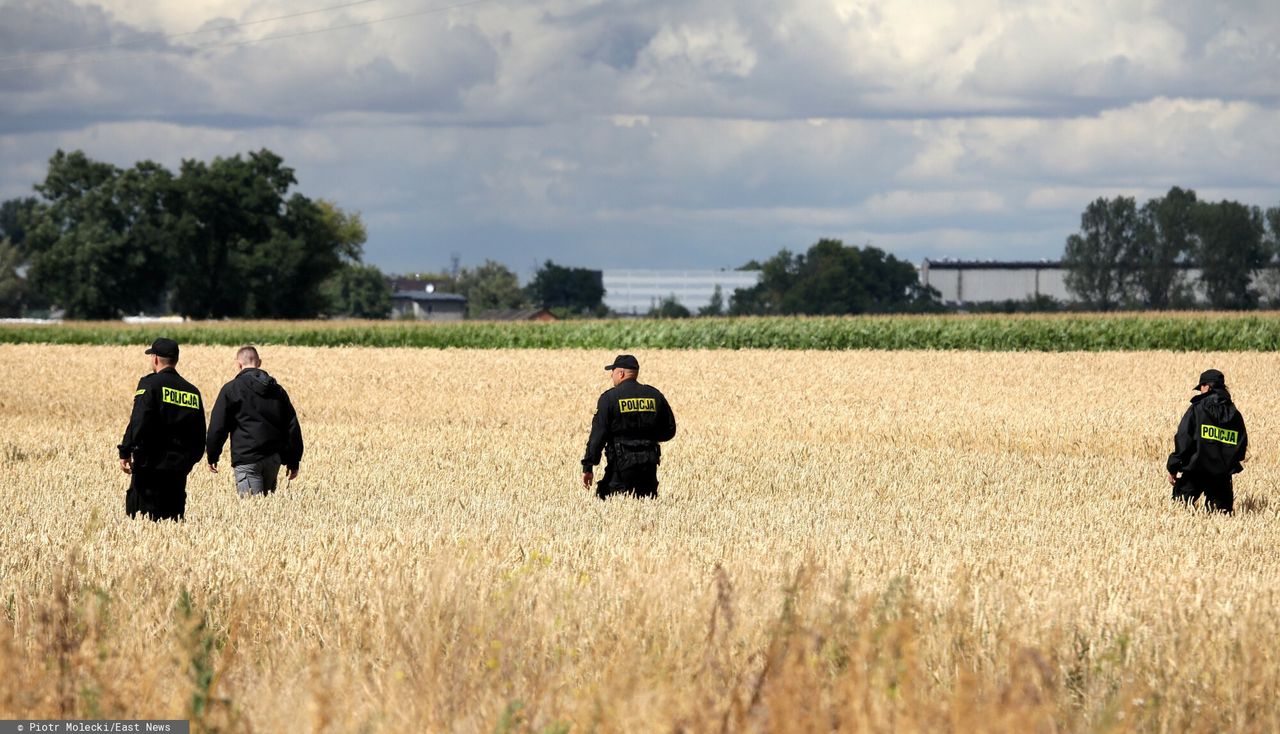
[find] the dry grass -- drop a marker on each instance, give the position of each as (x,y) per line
(855,541)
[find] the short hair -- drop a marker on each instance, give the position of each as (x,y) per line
(248,356)
(167,361)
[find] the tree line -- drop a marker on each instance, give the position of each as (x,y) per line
(829,278)
(230,238)
(225,239)
(1143,257)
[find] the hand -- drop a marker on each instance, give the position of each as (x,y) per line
(587,479)
(213,468)
(1173,479)
(126,466)
(292,474)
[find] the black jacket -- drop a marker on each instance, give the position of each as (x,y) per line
(631,417)
(166,429)
(1211,438)
(256,412)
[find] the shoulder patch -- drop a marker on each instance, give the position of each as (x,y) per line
(141,391)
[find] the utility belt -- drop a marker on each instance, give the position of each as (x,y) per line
(631,453)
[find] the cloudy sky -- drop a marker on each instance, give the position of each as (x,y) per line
(666,133)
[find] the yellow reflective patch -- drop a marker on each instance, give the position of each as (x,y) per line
(140,392)
(180,398)
(638,405)
(1221,435)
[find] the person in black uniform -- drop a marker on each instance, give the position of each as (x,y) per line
(631,420)
(1209,447)
(164,439)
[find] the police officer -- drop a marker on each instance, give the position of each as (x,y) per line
(1209,447)
(164,439)
(631,420)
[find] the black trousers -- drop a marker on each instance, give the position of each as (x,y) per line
(641,481)
(1219,496)
(158,494)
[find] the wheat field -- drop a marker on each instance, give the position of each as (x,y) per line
(854,541)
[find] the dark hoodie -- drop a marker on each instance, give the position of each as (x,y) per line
(255,411)
(1211,438)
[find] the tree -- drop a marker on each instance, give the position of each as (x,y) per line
(575,290)
(669,308)
(358,292)
(1270,277)
(15,215)
(12,285)
(832,278)
(490,287)
(1099,259)
(1273,229)
(1230,249)
(716,306)
(1163,242)
(777,278)
(97,242)
(218,240)
(247,250)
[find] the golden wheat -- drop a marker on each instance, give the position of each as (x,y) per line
(855,541)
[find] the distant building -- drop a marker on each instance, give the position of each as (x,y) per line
(427,305)
(990,281)
(978,281)
(635,292)
(401,284)
(516,314)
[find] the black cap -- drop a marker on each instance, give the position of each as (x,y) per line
(624,361)
(166,348)
(1211,378)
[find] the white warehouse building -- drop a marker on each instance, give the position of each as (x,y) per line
(990,281)
(635,292)
(977,281)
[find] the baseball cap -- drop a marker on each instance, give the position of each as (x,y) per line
(1210,377)
(163,347)
(623,361)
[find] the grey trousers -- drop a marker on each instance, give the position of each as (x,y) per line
(257,478)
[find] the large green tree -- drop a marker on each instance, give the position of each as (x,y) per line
(358,291)
(571,290)
(219,239)
(249,248)
(490,286)
(14,217)
(1099,260)
(98,240)
(1163,243)
(1230,249)
(12,286)
(832,278)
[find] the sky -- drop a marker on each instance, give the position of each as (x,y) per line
(666,133)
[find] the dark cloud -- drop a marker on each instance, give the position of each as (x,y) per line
(681,132)
(619,46)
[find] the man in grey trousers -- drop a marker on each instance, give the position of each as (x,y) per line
(255,411)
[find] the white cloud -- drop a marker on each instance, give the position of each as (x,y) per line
(701,131)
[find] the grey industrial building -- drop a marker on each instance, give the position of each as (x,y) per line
(991,281)
(635,292)
(979,281)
